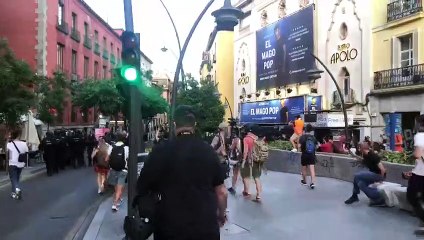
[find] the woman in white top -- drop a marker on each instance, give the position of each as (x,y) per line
(16,147)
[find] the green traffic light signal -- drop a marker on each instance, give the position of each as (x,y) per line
(129,73)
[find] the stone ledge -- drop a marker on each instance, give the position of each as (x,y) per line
(332,166)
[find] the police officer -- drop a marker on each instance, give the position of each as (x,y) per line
(48,146)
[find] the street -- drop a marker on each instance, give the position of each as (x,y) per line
(52,207)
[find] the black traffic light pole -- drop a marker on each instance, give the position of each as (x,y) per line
(136,132)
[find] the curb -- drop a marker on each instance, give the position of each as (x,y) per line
(96,223)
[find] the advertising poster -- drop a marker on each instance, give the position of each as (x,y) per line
(314,104)
(278,111)
(283,50)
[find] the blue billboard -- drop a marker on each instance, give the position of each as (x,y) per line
(314,104)
(283,49)
(278,111)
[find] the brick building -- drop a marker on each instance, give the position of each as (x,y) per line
(64,35)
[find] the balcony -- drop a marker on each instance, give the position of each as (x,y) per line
(97,49)
(62,26)
(112,59)
(87,42)
(399,77)
(75,34)
(403,8)
(105,54)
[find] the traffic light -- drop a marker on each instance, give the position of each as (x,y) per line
(130,70)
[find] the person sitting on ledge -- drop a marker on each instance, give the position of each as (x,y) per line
(375,173)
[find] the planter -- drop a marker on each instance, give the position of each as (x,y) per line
(332,166)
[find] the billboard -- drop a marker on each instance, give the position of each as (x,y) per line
(314,104)
(278,111)
(283,49)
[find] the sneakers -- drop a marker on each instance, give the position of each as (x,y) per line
(120,202)
(294,150)
(377,203)
(232,191)
(115,208)
(352,199)
(303,182)
(312,185)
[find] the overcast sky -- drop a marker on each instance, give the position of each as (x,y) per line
(156,30)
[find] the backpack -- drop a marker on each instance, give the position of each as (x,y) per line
(310,145)
(260,151)
(117,158)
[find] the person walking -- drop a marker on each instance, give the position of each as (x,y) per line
(48,146)
(236,157)
(90,143)
(193,195)
(18,154)
(308,145)
(101,166)
(118,161)
(298,132)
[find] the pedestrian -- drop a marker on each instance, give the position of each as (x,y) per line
(308,145)
(219,144)
(236,158)
(118,161)
(90,143)
(362,180)
(186,172)
(298,132)
(49,147)
(101,166)
(17,152)
(252,163)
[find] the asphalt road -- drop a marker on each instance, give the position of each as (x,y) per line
(52,207)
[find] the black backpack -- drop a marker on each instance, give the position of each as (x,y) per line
(117,158)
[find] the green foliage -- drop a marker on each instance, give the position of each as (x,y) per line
(399,157)
(281,145)
(16,81)
(51,94)
(209,109)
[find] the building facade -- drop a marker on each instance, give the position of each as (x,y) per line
(398,66)
(62,35)
(340,36)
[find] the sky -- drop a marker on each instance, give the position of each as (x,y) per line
(155,28)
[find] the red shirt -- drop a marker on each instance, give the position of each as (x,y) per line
(327,147)
(249,142)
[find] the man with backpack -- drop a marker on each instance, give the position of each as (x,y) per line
(255,154)
(308,145)
(117,158)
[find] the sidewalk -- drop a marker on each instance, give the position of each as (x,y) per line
(289,211)
(27,173)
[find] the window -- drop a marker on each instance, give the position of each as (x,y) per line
(104,72)
(60,49)
(117,53)
(60,13)
(111,48)
(86,66)
(406,51)
(104,42)
(86,29)
(74,21)
(246,19)
(74,62)
(96,70)
(96,36)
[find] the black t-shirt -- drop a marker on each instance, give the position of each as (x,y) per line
(371,161)
(302,142)
(185,171)
(283,114)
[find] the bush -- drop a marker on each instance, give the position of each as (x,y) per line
(280,145)
(399,157)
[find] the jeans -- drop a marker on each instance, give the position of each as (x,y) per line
(362,180)
(15,176)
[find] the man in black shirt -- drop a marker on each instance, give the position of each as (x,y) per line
(186,172)
(308,144)
(375,173)
(284,112)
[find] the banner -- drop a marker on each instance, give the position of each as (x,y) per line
(279,111)
(283,50)
(314,104)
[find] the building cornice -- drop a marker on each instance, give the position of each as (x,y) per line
(399,22)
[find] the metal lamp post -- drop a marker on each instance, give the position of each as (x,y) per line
(314,74)
(226,18)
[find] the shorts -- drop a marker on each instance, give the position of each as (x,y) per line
(306,160)
(295,137)
(117,177)
(249,171)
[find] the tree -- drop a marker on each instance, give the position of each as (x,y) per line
(51,94)
(16,83)
(208,108)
